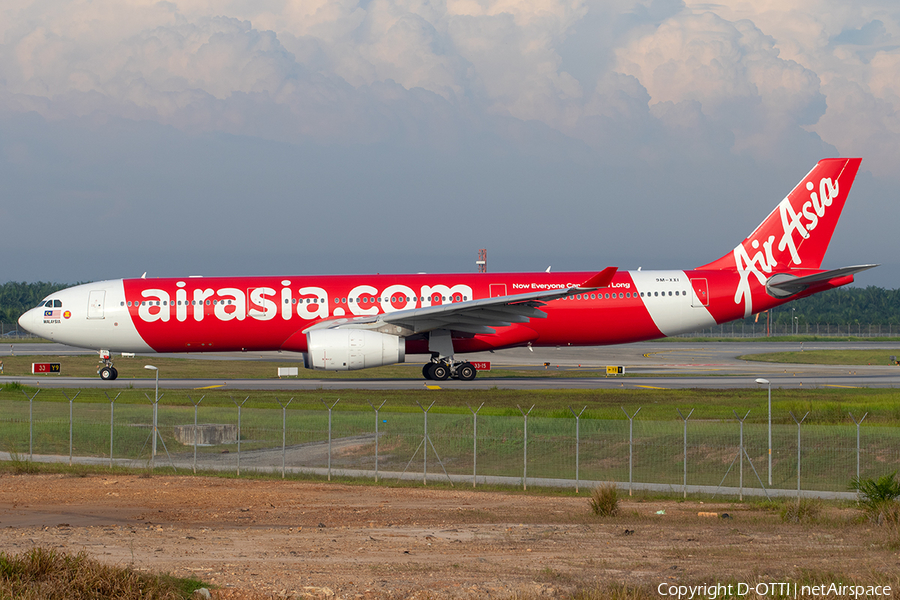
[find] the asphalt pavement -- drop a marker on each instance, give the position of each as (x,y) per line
(647,365)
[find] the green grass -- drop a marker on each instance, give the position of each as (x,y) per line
(828,357)
(46,574)
(24,340)
(826,405)
(781,338)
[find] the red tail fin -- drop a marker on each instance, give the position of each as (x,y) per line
(796,234)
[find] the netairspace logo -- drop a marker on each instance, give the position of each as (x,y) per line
(775,590)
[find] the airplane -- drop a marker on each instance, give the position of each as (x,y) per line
(348,322)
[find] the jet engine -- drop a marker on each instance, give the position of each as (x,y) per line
(349,349)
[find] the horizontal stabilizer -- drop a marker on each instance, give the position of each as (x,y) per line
(783,285)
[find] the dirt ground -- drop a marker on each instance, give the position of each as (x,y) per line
(298,539)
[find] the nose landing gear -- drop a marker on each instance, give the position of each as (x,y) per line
(106,370)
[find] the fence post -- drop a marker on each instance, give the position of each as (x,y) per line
(31,424)
(376,434)
(741,451)
(858,423)
(155,429)
(283,430)
(239,406)
(525,447)
(800,422)
(71,402)
(474,441)
(685,419)
(425,443)
(329,432)
(111,423)
(630,445)
(577,441)
(196,406)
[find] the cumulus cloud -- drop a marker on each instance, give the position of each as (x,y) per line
(751,77)
(734,74)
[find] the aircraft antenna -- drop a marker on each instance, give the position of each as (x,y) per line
(482,260)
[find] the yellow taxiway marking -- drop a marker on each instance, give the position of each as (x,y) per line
(432,387)
(651,387)
(210,387)
(841,386)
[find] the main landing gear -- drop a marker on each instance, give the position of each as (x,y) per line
(442,365)
(106,370)
(441,370)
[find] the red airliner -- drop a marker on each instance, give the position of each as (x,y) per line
(345,322)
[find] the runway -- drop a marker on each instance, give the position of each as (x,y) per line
(648,365)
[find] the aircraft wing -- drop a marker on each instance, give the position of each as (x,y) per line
(782,285)
(471,316)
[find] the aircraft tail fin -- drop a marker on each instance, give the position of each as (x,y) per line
(796,234)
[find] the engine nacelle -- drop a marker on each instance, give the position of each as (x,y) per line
(350,349)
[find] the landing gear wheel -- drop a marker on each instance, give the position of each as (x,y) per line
(440,371)
(466,372)
(106,374)
(426,371)
(115,373)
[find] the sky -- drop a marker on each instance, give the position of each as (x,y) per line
(275,137)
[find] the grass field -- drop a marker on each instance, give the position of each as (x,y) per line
(825,405)
(829,357)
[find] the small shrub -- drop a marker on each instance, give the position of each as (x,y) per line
(604,500)
(20,465)
(806,510)
(879,497)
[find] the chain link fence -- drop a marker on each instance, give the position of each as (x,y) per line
(740,329)
(690,456)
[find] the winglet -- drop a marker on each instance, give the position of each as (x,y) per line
(600,280)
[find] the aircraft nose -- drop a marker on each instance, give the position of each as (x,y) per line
(26,321)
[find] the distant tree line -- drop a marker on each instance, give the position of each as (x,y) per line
(16,297)
(869,306)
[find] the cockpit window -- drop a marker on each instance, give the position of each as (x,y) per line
(57,304)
